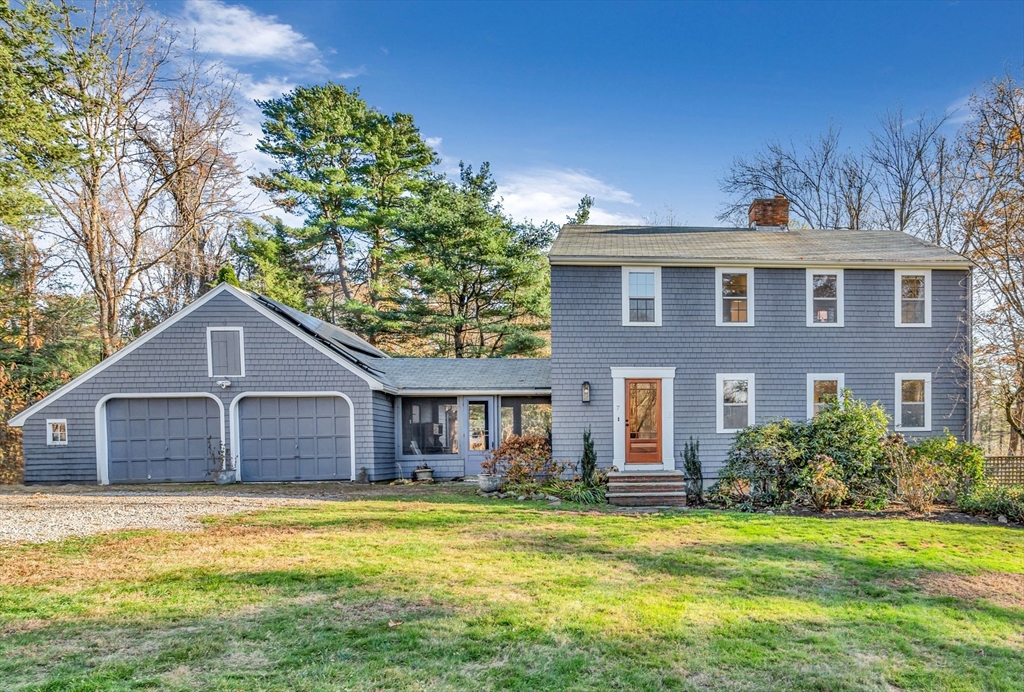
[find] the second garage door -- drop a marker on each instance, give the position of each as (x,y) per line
(295,438)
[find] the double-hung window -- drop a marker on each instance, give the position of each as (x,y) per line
(735,394)
(824,297)
(821,389)
(914,401)
(56,431)
(734,304)
(641,296)
(914,298)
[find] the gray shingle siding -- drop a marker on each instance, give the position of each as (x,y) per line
(588,338)
(175,361)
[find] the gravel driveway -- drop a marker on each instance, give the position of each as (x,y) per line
(52,516)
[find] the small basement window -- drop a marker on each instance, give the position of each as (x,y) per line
(641,296)
(430,425)
(225,351)
(914,401)
(735,301)
(56,431)
(525,415)
(824,298)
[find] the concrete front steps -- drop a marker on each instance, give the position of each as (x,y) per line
(646,488)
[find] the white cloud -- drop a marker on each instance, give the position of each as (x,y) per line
(959,111)
(270,87)
(235,31)
(552,194)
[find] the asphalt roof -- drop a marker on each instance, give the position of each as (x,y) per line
(743,245)
(464,374)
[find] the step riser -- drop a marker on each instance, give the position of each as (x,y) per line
(647,501)
(646,487)
(641,478)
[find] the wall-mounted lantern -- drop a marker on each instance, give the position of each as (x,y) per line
(585,395)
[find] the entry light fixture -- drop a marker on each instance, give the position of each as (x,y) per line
(586,393)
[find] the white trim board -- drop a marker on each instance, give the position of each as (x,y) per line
(241,350)
(767,264)
(236,432)
(667,377)
(19,420)
(100,416)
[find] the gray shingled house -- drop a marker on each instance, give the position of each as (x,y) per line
(658,334)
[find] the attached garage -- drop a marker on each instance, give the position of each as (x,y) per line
(295,438)
(162,439)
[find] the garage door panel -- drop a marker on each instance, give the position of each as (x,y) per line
(161,439)
(294,438)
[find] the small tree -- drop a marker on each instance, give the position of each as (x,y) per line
(694,472)
(588,462)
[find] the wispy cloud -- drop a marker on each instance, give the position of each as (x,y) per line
(551,194)
(235,31)
(959,111)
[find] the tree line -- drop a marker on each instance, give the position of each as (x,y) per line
(956,184)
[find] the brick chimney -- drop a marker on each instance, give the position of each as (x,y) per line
(771,213)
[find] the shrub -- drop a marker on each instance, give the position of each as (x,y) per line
(849,431)
(763,465)
(918,479)
(577,491)
(823,481)
(524,459)
(588,462)
(694,472)
(965,461)
(993,500)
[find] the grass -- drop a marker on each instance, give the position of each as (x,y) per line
(454,593)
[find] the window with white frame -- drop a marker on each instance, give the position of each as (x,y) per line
(821,389)
(641,296)
(735,393)
(824,297)
(56,431)
(734,304)
(914,401)
(225,351)
(914,298)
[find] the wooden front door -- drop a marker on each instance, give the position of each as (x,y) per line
(643,421)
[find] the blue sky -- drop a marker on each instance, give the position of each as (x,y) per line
(642,105)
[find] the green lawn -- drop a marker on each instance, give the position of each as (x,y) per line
(451,592)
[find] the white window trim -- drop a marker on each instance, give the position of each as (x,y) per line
(898,287)
(720,379)
(241,350)
(657,296)
(840,299)
(749,271)
(49,432)
(898,417)
(667,377)
(813,377)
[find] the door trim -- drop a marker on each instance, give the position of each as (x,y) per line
(492,425)
(630,463)
(236,428)
(667,377)
(102,459)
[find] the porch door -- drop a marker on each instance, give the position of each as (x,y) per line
(643,421)
(480,433)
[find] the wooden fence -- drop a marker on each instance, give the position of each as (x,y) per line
(1005,470)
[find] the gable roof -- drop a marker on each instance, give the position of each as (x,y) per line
(410,375)
(335,353)
(708,246)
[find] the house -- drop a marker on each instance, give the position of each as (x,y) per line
(658,335)
(662,334)
(285,396)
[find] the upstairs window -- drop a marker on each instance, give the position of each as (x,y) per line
(914,401)
(641,296)
(225,352)
(914,298)
(735,301)
(821,389)
(824,297)
(56,431)
(735,401)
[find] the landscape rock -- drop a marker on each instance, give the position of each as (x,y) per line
(1002,519)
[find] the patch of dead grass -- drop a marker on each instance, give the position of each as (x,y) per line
(1005,589)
